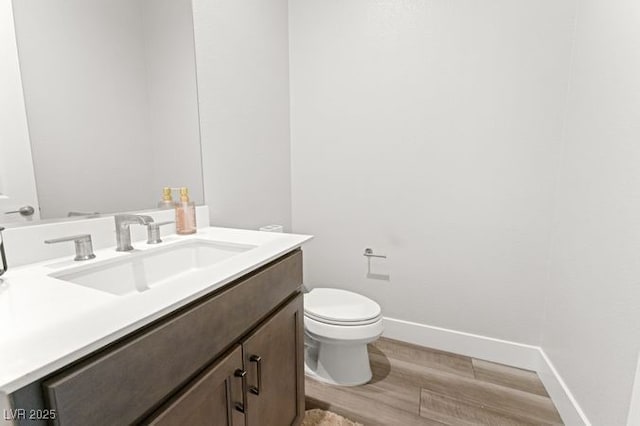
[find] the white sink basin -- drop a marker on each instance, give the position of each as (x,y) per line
(140,271)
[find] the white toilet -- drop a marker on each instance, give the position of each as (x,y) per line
(338,324)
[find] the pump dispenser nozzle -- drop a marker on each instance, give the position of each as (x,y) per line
(167,199)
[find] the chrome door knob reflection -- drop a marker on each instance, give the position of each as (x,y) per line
(24,211)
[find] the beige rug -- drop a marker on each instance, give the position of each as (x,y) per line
(318,417)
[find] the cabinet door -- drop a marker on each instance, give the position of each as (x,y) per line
(215,398)
(274,360)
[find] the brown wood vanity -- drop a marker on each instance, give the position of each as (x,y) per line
(233,357)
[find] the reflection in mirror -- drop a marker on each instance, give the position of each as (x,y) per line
(111,100)
(17,182)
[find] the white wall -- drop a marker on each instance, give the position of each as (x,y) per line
(17,184)
(429,131)
(112,105)
(243,88)
(592,327)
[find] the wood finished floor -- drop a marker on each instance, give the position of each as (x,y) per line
(413,385)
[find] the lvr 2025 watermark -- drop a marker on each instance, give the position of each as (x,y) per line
(24,414)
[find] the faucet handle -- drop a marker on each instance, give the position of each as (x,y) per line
(84,247)
(153,231)
(3,257)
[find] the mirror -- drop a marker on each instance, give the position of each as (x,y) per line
(111,102)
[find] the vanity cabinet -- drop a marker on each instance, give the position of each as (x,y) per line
(233,357)
(255,384)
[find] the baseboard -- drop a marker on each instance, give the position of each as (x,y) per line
(560,394)
(495,350)
(472,345)
(633,418)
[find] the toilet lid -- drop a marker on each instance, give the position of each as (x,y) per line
(334,305)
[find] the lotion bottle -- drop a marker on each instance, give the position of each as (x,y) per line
(185,214)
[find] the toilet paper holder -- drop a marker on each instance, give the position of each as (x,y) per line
(368,252)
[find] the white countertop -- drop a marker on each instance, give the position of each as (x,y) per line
(46,323)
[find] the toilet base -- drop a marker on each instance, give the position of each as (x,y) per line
(338,364)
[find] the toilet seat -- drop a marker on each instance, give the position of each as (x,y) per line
(340,334)
(340,307)
(344,323)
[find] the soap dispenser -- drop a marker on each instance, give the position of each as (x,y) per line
(167,199)
(185,214)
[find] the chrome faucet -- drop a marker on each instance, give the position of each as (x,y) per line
(123,233)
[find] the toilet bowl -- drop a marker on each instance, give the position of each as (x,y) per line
(338,324)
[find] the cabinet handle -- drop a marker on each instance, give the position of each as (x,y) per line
(258,360)
(229,391)
(242,374)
